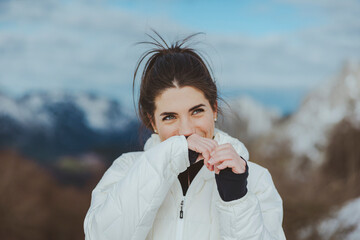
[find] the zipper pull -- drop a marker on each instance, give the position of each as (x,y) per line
(181,209)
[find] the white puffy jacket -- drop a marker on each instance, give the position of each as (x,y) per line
(140,197)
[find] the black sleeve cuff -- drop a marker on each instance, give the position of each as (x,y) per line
(231,186)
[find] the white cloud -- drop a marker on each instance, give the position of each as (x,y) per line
(90,46)
(73,45)
(302,58)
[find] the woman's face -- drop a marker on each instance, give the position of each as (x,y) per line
(183,111)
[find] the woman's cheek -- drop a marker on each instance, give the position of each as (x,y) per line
(206,126)
(167,131)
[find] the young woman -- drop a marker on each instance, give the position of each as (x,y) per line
(192,181)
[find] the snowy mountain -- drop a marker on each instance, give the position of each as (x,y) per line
(307,132)
(36,109)
(316,151)
(309,128)
(44,125)
(247,119)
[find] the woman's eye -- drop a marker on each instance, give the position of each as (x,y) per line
(168,117)
(199,110)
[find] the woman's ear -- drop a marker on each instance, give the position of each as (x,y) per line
(215,110)
(152,122)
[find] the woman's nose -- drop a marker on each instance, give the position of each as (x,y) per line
(186,128)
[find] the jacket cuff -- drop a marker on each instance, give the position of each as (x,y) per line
(173,153)
(180,150)
(232,186)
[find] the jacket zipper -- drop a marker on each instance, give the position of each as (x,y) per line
(180,223)
(181,209)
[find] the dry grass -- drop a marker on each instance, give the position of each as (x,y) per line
(33,206)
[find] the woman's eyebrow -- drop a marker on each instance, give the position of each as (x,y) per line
(167,113)
(197,106)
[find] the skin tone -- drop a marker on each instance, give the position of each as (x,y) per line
(186,111)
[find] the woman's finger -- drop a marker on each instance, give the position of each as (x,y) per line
(226,164)
(236,166)
(203,149)
(221,157)
(202,145)
(207,147)
(216,169)
(223,147)
(212,143)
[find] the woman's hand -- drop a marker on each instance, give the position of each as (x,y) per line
(224,156)
(202,145)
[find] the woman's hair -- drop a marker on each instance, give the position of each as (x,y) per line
(171,66)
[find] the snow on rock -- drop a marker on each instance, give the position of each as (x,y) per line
(308,129)
(32,109)
(29,113)
(348,217)
(249,118)
(94,109)
(344,222)
(101,113)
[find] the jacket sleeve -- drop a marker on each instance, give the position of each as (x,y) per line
(126,200)
(256,216)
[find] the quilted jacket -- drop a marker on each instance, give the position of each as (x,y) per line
(140,197)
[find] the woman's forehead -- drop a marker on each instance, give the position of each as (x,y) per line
(179,99)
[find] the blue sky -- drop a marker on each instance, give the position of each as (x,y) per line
(259,48)
(256,18)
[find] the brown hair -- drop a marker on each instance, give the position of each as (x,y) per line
(168,67)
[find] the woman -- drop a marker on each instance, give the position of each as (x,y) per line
(192,181)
